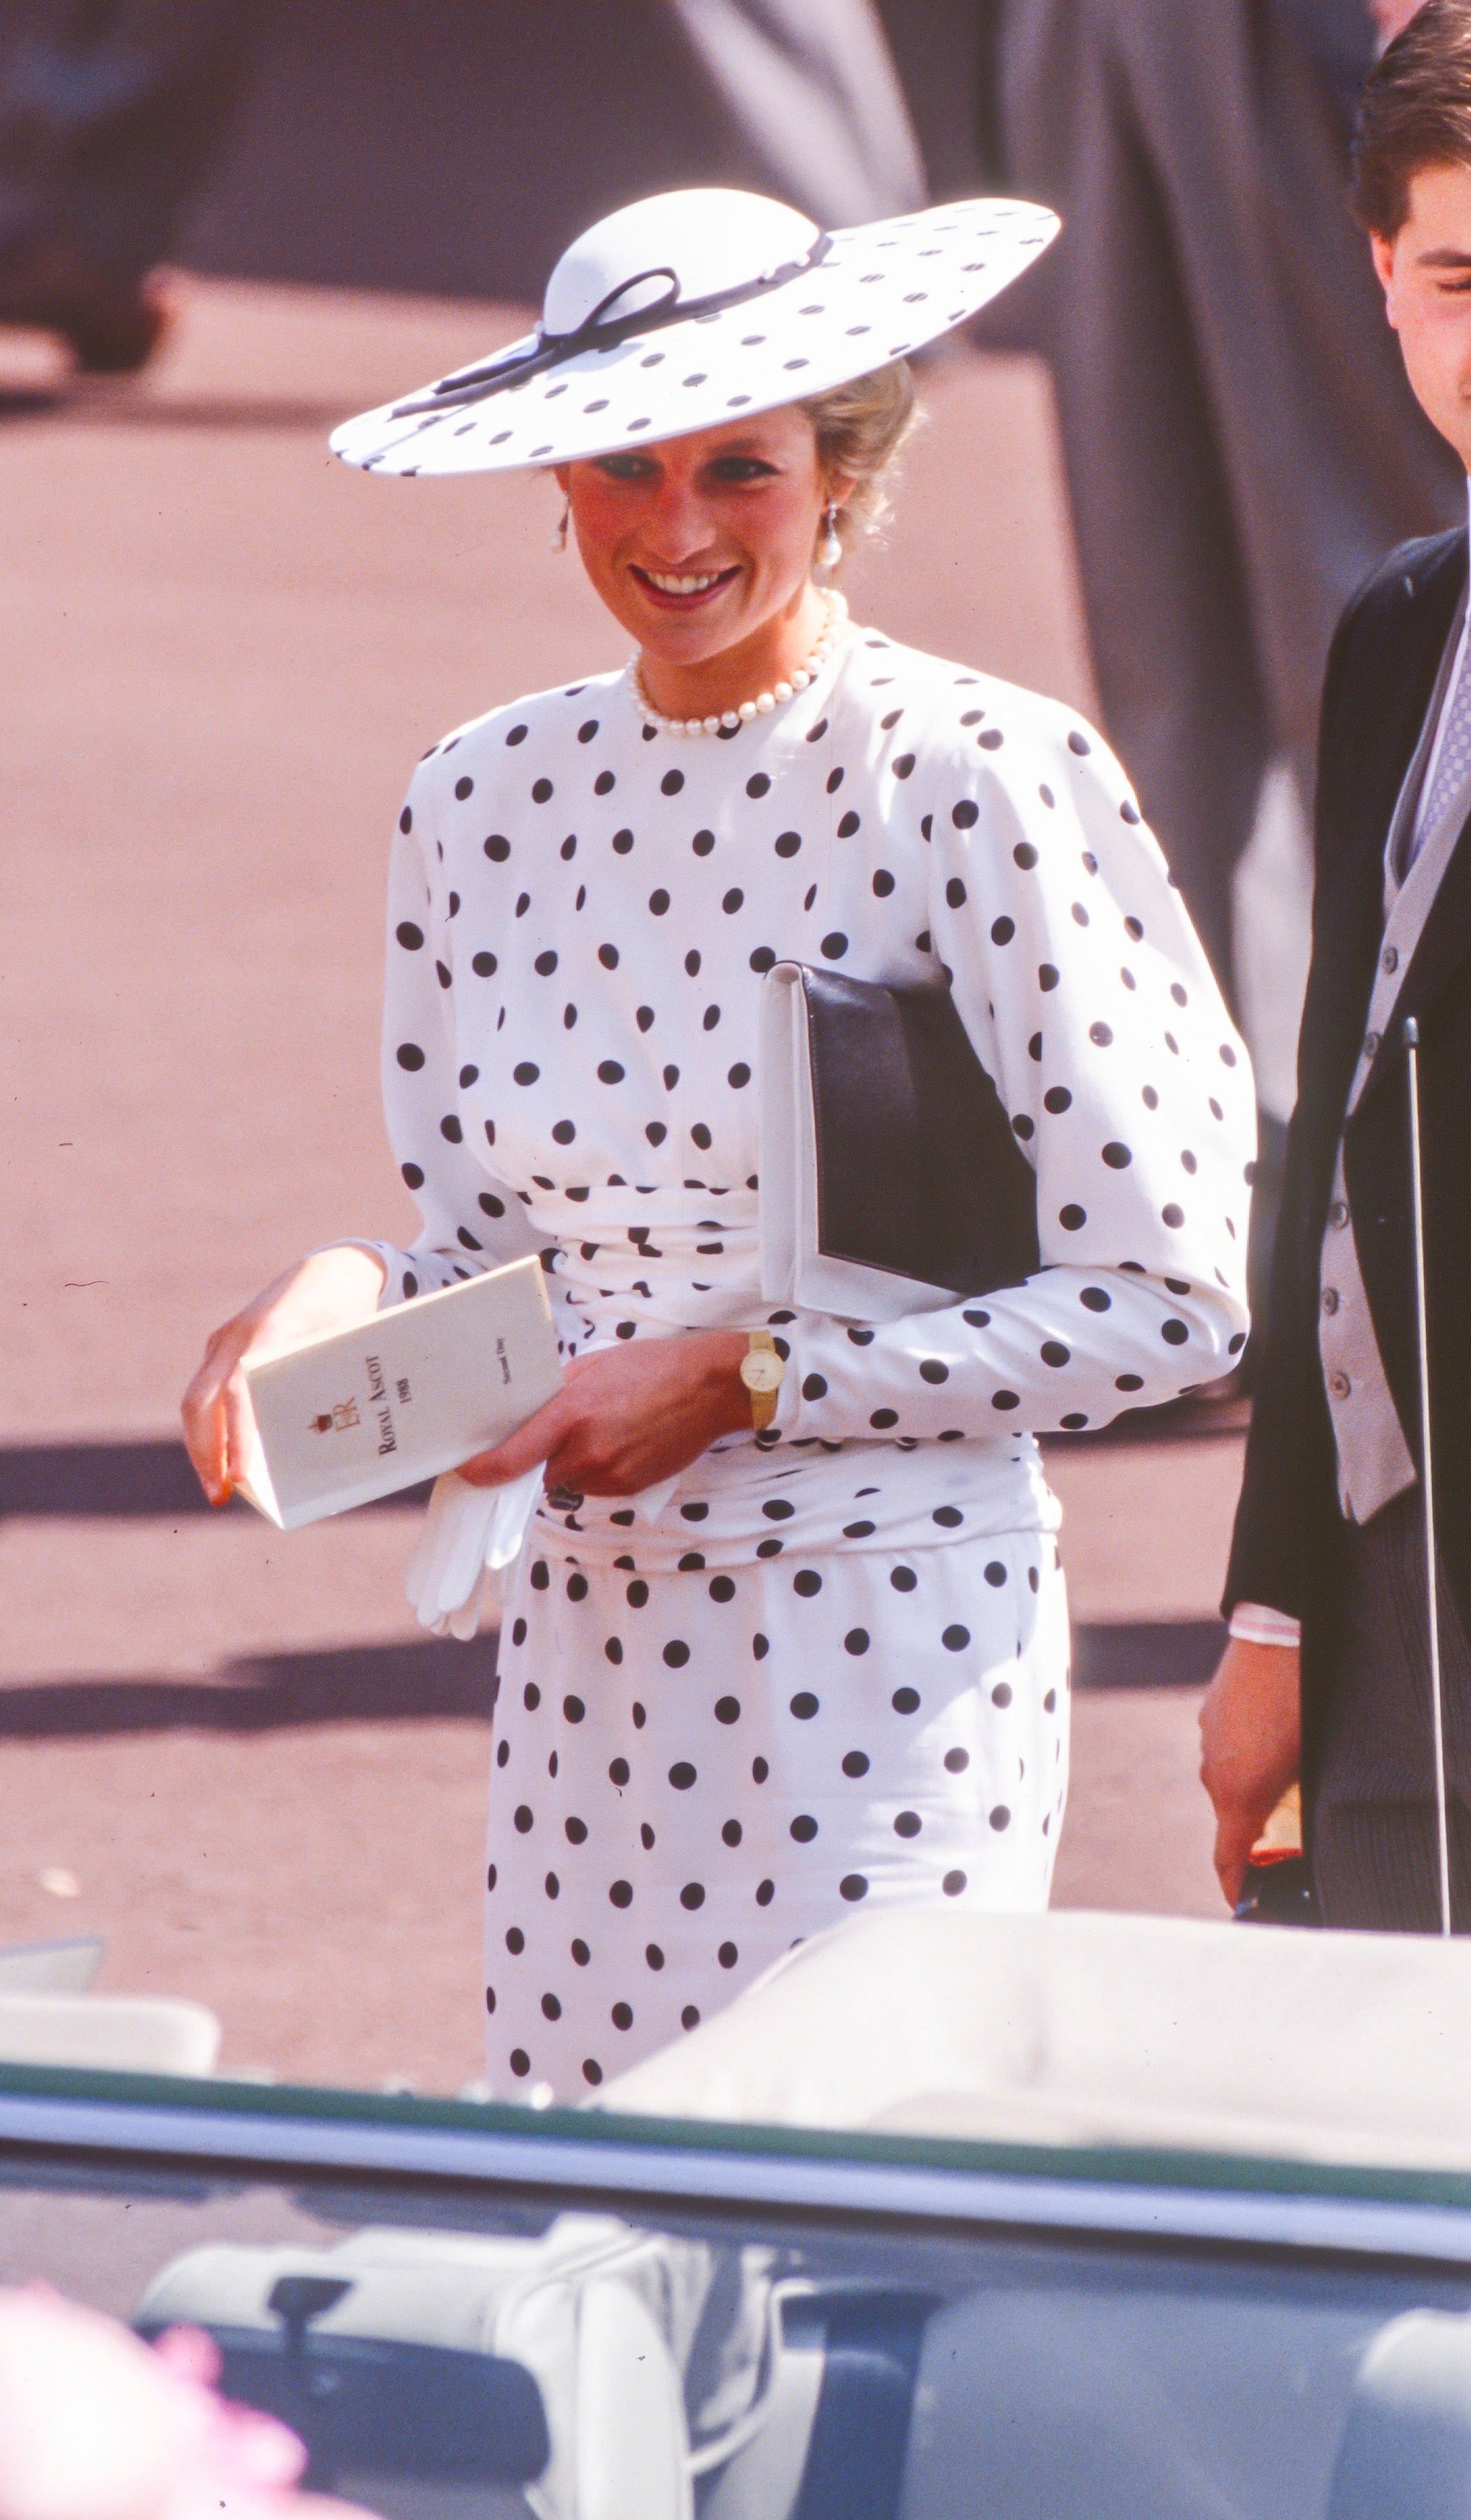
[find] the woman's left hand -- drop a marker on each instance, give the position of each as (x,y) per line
(628,1417)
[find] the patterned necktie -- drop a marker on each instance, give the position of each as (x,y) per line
(1454,766)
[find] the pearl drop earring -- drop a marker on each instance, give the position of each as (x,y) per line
(559,538)
(831,549)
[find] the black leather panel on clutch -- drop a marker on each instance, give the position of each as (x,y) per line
(918,1171)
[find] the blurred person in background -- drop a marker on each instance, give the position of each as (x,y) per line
(112,112)
(1327,1673)
(1240,443)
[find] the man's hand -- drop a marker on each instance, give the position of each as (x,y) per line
(1251,1746)
(628,1417)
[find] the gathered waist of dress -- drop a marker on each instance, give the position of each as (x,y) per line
(623,1208)
(742,1503)
(622,1268)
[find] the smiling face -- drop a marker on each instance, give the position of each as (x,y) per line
(1426,274)
(702,547)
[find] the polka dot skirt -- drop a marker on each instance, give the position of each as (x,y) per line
(693,1772)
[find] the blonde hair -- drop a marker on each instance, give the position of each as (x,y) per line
(860,428)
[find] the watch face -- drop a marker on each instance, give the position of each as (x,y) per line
(761,1371)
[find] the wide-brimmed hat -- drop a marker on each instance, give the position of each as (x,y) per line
(689,309)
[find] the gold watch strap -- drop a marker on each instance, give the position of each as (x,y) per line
(763,1394)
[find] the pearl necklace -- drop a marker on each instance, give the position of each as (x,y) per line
(764,701)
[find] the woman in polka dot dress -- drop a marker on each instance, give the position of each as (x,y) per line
(752,1679)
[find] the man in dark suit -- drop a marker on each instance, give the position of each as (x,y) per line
(1326,1677)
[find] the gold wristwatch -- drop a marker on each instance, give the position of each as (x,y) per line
(761,1371)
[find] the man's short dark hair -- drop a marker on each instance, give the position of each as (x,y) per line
(1416,112)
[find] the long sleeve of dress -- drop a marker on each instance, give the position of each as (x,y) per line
(471,1221)
(1089,1001)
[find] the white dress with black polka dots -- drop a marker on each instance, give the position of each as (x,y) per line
(833,1667)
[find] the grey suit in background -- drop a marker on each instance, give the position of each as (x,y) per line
(814,87)
(1241,445)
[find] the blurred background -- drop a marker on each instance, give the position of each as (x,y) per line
(1147,484)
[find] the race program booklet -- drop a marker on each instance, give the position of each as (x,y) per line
(420,1388)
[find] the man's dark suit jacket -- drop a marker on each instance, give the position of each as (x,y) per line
(1381,673)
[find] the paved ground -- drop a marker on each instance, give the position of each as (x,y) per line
(221,655)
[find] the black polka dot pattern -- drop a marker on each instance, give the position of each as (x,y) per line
(683,1864)
(603,1104)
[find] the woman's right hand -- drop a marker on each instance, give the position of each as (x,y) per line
(328,1291)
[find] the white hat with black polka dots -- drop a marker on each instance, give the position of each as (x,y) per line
(684,311)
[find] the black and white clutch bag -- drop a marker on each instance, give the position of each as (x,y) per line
(890,1182)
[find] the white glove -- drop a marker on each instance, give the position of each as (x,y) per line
(467,1529)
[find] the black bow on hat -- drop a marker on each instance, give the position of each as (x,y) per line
(601,332)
